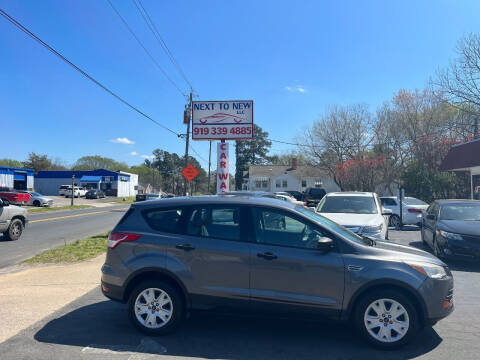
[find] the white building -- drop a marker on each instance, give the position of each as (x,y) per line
(274,178)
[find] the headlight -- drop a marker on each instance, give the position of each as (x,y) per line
(451,236)
(372,229)
(431,270)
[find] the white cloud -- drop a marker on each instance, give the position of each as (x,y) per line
(296,88)
(148,157)
(123,140)
(133,153)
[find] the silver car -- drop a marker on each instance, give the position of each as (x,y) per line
(37,199)
(242,252)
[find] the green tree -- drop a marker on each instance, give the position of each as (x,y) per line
(253,152)
(93,162)
(42,162)
(11,163)
(147,174)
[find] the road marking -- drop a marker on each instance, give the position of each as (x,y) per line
(147,349)
(71,216)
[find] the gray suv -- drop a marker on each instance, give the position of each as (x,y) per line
(245,254)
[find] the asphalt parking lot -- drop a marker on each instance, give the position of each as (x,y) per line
(93,327)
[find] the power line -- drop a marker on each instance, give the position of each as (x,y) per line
(96,82)
(151,25)
(146,51)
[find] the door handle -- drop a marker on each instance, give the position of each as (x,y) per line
(267,256)
(186,247)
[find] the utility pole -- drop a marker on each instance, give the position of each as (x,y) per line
(73,189)
(189,110)
(209,165)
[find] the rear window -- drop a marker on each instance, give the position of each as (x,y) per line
(317,193)
(165,220)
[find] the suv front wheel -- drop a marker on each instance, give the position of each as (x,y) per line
(155,307)
(386,318)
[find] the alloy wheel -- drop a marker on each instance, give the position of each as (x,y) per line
(394,221)
(153,308)
(386,320)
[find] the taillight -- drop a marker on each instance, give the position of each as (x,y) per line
(116,238)
(418,211)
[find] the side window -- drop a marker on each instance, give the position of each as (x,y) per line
(276,227)
(165,220)
(221,222)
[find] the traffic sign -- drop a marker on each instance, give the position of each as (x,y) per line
(222,120)
(189,172)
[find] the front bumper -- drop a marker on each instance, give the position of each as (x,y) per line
(438,298)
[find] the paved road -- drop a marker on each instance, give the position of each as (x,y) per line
(95,328)
(49,230)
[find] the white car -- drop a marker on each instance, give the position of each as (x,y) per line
(78,192)
(37,199)
(411,211)
(288,198)
(62,189)
(360,212)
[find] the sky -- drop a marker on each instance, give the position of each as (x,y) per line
(293,58)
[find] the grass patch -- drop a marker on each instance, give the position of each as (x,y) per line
(78,251)
(128,200)
(57,208)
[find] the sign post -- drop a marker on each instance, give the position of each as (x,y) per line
(222,120)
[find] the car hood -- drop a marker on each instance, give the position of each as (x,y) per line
(353,219)
(405,253)
(460,227)
(16,209)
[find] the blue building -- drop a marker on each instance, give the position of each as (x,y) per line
(113,183)
(16,178)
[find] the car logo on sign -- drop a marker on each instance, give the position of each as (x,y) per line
(220,117)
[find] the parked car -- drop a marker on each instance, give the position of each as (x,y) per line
(360,212)
(296,194)
(312,196)
(289,199)
(13,220)
(14,197)
(94,194)
(411,211)
(451,228)
(62,189)
(37,199)
(166,258)
(144,197)
(77,192)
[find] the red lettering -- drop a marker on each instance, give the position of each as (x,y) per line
(223,156)
(223,185)
(223,176)
(223,146)
(223,164)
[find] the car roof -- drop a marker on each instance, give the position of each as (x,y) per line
(457,201)
(215,200)
(351,193)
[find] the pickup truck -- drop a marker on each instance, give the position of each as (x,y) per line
(13,220)
(14,197)
(78,191)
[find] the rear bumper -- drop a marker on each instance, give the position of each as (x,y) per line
(112,292)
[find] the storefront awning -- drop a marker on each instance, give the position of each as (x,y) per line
(87,178)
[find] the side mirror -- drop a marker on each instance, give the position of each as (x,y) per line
(430,217)
(324,244)
(387,212)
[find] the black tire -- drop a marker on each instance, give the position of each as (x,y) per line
(386,235)
(394,221)
(423,237)
(36,203)
(178,306)
(364,303)
(14,230)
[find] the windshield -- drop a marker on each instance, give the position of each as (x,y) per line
(465,212)
(413,201)
(348,204)
(331,225)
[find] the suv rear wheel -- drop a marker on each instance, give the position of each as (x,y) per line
(155,307)
(386,318)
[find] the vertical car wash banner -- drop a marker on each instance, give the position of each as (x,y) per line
(223,180)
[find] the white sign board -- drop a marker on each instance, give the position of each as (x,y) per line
(223,180)
(222,120)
